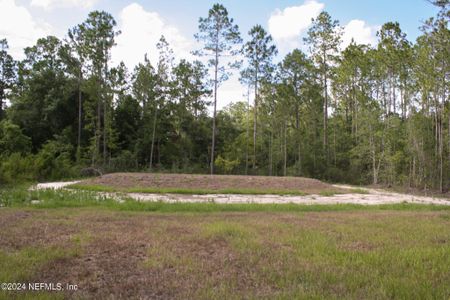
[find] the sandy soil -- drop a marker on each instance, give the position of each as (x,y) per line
(53,185)
(373,197)
(212,183)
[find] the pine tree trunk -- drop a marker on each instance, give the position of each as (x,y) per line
(213,144)
(285,150)
(105,127)
(155,116)
(271,153)
(105,109)
(98,131)
(216,70)
(441,156)
(2,96)
(79,116)
(255,118)
(248,131)
(325,119)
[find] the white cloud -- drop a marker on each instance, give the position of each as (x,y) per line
(19,28)
(50,4)
(287,25)
(231,91)
(141,31)
(361,32)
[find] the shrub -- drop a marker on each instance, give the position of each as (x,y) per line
(226,165)
(125,161)
(54,162)
(12,139)
(17,168)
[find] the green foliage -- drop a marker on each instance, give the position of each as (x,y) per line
(54,161)
(17,168)
(220,38)
(361,115)
(7,74)
(12,140)
(226,166)
(125,161)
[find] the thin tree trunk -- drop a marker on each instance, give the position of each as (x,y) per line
(247,129)
(325,120)
(99,128)
(271,152)
(325,109)
(297,127)
(299,157)
(105,109)
(213,145)
(2,96)
(155,116)
(441,158)
(105,126)
(255,118)
(79,116)
(285,150)
(372,150)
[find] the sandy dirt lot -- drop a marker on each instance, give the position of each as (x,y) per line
(212,183)
(372,197)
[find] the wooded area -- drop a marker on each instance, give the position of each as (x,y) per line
(360,115)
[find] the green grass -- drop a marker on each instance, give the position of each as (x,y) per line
(202,251)
(226,231)
(22,266)
(358,191)
(19,266)
(184,191)
(103,188)
(327,193)
(350,257)
(43,199)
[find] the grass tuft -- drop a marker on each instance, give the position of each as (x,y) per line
(184,191)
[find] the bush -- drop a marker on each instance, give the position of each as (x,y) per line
(54,162)
(17,168)
(51,163)
(226,165)
(125,161)
(12,140)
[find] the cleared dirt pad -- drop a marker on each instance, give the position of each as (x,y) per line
(211,183)
(317,191)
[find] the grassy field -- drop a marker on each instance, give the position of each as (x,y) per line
(213,251)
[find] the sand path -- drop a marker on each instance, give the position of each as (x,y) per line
(373,197)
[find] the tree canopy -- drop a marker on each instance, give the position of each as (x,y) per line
(366,114)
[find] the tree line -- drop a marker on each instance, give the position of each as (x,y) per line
(364,114)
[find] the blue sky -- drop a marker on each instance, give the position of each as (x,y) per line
(142,23)
(249,12)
